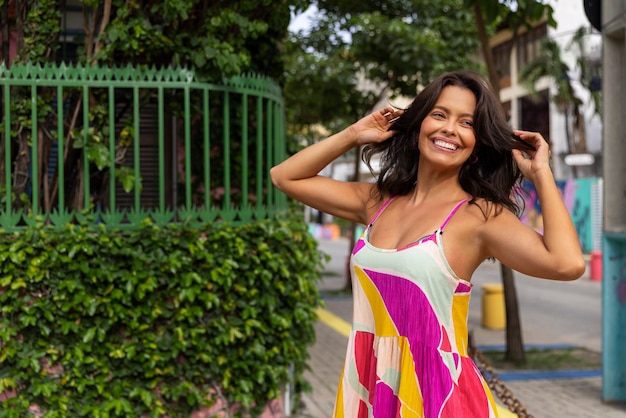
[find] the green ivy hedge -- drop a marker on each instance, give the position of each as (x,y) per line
(147,323)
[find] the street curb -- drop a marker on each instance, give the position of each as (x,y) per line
(541,374)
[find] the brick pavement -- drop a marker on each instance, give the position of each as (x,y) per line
(543,398)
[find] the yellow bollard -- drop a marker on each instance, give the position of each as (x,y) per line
(494,316)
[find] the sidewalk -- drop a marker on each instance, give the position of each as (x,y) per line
(575,397)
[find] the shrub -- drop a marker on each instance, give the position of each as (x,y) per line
(157,321)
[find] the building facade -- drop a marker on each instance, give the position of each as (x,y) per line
(569,137)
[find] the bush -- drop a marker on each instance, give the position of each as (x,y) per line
(157,321)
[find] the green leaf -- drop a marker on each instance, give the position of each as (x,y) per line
(126,177)
(89,335)
(99,154)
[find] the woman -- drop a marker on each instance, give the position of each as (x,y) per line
(448,162)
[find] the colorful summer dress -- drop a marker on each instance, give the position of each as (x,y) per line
(407,351)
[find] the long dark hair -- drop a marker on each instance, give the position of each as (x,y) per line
(493,177)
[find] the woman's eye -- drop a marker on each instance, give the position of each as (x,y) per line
(468,123)
(438,114)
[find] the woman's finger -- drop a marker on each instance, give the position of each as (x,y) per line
(391,114)
(528,135)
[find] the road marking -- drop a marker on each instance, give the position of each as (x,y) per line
(333,321)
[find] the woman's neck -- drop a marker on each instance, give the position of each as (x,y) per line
(437,185)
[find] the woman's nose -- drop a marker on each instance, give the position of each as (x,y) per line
(448,129)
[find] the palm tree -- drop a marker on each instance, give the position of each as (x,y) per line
(550,64)
(589,69)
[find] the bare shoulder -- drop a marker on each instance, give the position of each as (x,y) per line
(367,201)
(465,245)
(503,229)
(471,220)
(479,209)
(487,222)
(373,201)
(485,209)
(498,214)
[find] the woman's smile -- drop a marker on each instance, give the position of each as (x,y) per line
(445,144)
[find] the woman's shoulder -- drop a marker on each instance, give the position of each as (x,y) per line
(488,211)
(373,200)
(481,224)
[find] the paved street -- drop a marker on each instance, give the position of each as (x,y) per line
(551,313)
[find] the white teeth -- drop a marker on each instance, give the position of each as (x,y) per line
(445,144)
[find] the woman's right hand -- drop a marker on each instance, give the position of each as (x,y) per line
(374,127)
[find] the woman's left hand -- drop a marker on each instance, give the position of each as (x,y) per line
(535,161)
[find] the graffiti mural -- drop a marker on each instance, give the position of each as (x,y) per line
(579,200)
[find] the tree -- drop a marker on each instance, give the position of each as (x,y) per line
(551,64)
(590,77)
(361,52)
(217,39)
(513,15)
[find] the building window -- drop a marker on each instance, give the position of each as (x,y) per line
(501,60)
(529,45)
(535,113)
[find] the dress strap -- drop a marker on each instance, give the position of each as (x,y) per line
(452,212)
(382,208)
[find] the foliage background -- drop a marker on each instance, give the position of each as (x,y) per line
(148,322)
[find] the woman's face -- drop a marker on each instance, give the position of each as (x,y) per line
(446,135)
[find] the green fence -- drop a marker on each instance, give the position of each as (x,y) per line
(119,145)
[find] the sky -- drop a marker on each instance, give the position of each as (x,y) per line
(301,21)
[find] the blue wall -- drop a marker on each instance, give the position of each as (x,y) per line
(614,318)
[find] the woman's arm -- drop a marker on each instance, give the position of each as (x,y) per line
(554,255)
(298,175)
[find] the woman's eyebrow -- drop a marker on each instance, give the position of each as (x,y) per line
(445,109)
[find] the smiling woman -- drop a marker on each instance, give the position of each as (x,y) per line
(449,162)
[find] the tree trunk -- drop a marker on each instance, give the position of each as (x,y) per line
(514,344)
(5,34)
(106,17)
(486,49)
(5,58)
(570,142)
(21,171)
(580,131)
